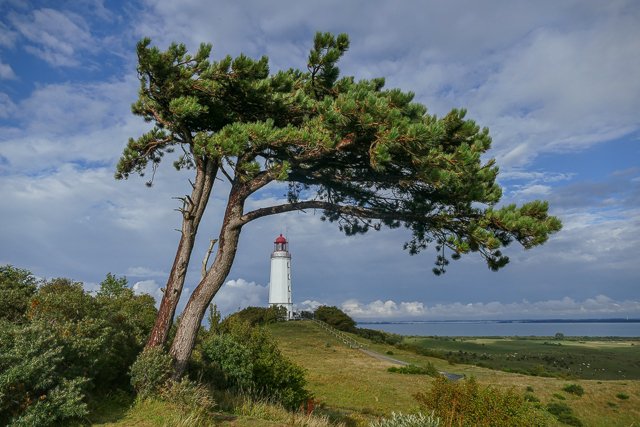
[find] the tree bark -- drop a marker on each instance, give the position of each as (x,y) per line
(192,212)
(201,297)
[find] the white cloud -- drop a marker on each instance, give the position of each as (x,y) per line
(532,190)
(56,37)
(597,306)
(150,287)
(6,72)
(237,294)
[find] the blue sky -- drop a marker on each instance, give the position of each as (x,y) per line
(556,83)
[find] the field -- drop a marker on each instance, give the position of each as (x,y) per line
(351,383)
(611,359)
(355,388)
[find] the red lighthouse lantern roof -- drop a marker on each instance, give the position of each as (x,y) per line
(280,239)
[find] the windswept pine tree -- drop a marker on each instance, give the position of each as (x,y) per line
(366,156)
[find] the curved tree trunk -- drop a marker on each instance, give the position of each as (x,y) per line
(201,297)
(192,211)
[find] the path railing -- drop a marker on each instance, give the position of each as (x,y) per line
(346,339)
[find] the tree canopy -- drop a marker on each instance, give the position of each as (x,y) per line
(364,155)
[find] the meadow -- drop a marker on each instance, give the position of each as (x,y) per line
(350,383)
(352,388)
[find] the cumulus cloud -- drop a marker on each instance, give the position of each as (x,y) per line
(150,287)
(598,306)
(237,294)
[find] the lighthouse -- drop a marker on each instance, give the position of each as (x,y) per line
(280,284)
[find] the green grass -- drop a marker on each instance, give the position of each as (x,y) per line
(354,388)
(583,359)
(359,387)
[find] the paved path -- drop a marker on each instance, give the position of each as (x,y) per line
(452,377)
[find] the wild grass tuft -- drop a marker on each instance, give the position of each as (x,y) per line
(399,419)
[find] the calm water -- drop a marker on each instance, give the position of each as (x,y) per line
(484,328)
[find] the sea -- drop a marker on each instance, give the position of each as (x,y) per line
(504,328)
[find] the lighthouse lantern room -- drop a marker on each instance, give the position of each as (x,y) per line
(280,283)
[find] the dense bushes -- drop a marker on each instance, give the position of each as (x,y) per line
(336,318)
(59,343)
(428,369)
(259,315)
(150,372)
(465,403)
(563,413)
(247,359)
(17,287)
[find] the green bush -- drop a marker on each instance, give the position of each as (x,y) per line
(574,389)
(259,315)
(563,413)
(379,337)
(248,360)
(429,369)
(35,386)
(336,318)
(407,420)
(150,372)
(465,403)
(17,286)
(622,396)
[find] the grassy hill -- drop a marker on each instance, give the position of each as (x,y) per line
(354,388)
(353,383)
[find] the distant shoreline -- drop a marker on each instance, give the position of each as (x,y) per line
(400,322)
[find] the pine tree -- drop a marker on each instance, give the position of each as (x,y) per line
(365,156)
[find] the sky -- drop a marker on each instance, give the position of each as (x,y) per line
(556,82)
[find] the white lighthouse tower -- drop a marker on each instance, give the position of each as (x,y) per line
(280,284)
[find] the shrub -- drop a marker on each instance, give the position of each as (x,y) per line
(408,420)
(559,396)
(465,403)
(574,389)
(531,398)
(429,369)
(189,396)
(150,372)
(379,337)
(249,360)
(17,286)
(35,386)
(622,396)
(336,318)
(259,315)
(563,413)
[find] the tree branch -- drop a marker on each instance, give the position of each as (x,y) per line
(355,211)
(205,261)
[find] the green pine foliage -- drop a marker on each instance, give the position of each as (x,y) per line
(366,155)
